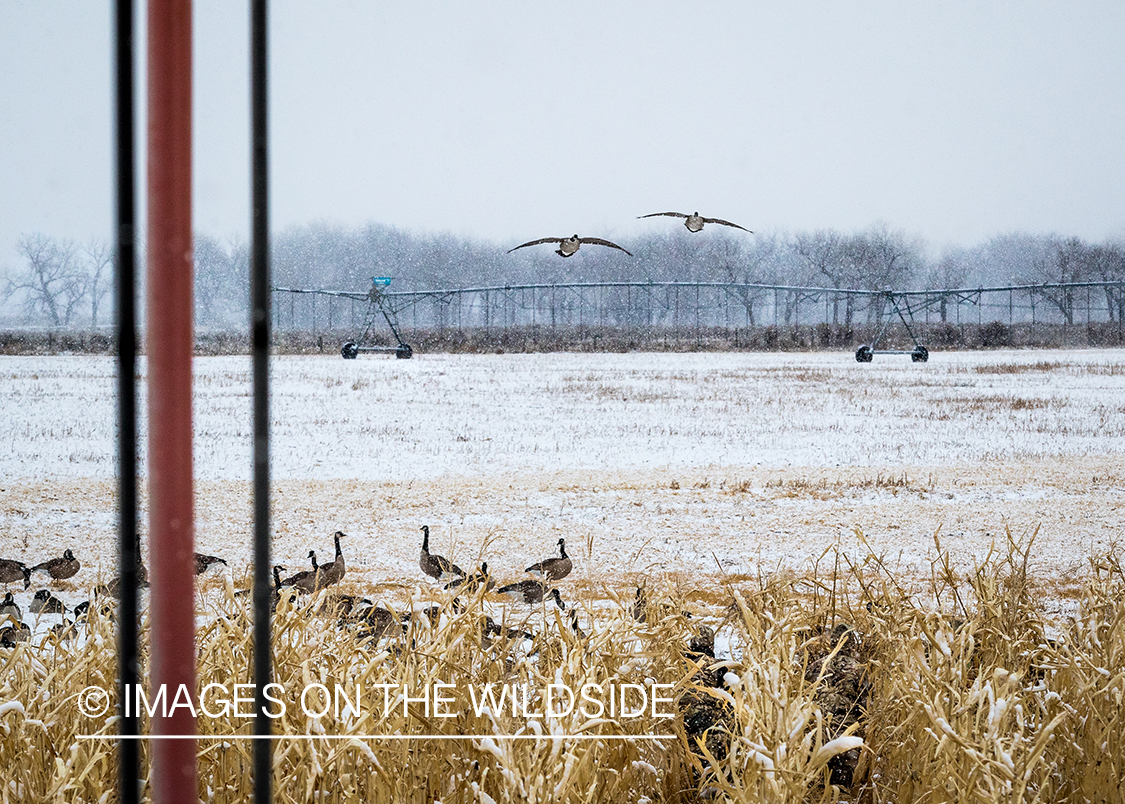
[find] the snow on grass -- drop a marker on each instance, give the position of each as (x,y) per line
(646,463)
(381,419)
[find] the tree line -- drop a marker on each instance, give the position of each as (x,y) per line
(62,284)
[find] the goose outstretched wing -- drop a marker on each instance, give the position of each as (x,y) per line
(726,223)
(597,241)
(537,242)
(669,214)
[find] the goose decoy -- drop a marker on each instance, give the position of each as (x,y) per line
(640,606)
(82,610)
(306,580)
(553,569)
(10,635)
(46,603)
(9,608)
(471,583)
(205,563)
(436,566)
(59,568)
(701,646)
(378,622)
(490,629)
(569,245)
(344,607)
(66,630)
(694,222)
(12,571)
(531,592)
(572,617)
(113,588)
(277,569)
(334,572)
(275,593)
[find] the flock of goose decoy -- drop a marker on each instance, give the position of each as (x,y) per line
(568,246)
(372,621)
(376,621)
(13,629)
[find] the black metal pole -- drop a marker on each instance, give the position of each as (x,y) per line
(125,247)
(260,339)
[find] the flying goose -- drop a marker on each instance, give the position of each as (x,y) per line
(569,245)
(59,568)
(334,572)
(204,563)
(694,221)
(531,592)
(9,608)
(46,603)
(553,569)
(436,566)
(12,571)
(471,583)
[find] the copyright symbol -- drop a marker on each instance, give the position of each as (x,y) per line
(93,701)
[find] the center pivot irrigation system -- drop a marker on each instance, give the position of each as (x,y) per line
(890,305)
(378,304)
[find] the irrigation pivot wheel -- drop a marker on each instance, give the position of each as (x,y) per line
(920,354)
(404,352)
(350,350)
(864,354)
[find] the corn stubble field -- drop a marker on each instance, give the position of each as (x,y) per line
(881,583)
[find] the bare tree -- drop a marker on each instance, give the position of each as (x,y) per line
(53,283)
(1106,263)
(221,283)
(885,259)
(1065,262)
(950,271)
(829,255)
(99,259)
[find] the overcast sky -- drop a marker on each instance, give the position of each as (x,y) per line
(510,121)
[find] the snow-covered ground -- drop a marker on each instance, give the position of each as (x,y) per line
(480,415)
(646,463)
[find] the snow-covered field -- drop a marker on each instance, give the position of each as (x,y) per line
(646,463)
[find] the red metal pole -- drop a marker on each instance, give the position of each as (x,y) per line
(169,322)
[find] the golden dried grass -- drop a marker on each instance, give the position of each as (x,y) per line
(967,694)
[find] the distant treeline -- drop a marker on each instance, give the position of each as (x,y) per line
(531,339)
(63,285)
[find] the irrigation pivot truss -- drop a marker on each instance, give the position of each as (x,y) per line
(705,307)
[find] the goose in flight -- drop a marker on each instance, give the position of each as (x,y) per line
(569,245)
(694,222)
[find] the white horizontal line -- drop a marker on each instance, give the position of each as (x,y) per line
(134,737)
